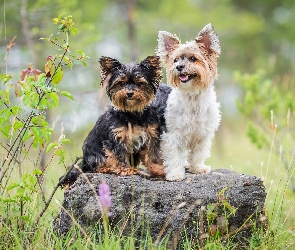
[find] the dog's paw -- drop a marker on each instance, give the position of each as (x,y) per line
(156,170)
(201,169)
(175,176)
(69,179)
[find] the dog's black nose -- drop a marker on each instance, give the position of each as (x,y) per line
(180,67)
(129,94)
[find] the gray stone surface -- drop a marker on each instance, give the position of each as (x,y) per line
(170,207)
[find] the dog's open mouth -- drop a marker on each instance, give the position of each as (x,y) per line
(185,77)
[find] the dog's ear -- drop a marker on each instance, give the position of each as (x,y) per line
(166,43)
(151,62)
(107,67)
(208,41)
(153,65)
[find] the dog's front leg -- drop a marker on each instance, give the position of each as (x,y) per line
(174,152)
(200,151)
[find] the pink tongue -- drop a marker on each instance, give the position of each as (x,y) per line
(183,78)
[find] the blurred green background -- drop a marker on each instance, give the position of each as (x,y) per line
(254,35)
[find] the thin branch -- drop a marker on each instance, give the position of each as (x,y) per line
(14,154)
(54,190)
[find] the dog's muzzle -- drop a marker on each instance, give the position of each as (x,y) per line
(130,94)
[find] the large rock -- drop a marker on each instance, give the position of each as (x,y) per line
(222,202)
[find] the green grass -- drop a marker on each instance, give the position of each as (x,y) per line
(231,149)
(237,153)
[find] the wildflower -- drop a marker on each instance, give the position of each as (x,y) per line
(105,198)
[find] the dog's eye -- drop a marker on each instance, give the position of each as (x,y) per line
(140,83)
(122,83)
(193,59)
(175,60)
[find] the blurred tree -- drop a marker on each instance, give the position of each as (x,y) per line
(33,19)
(253,34)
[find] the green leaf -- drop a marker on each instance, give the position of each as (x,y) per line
(61,27)
(18,124)
(70,64)
(44,104)
(55,20)
(15,109)
(30,187)
(35,143)
(50,146)
(34,99)
(12,186)
(33,181)
(84,63)
(6,94)
(46,135)
(61,157)
(37,172)
(38,136)
(26,136)
(74,31)
(25,218)
(48,130)
(65,141)
(5,130)
(67,94)
(68,61)
(57,76)
(26,100)
(25,198)
(10,199)
(53,98)
(41,78)
(25,176)
(5,78)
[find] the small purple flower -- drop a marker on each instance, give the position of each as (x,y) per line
(105,197)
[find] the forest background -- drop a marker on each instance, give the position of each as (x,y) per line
(258,45)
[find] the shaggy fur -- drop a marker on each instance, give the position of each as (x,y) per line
(192,114)
(127,133)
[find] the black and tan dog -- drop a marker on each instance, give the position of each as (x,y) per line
(128,132)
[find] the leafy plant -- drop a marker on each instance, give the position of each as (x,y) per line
(217,214)
(268,109)
(23,125)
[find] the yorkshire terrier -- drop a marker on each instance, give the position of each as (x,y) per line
(192,113)
(127,134)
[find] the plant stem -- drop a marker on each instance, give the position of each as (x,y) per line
(53,192)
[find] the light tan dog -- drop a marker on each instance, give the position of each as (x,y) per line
(192,114)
